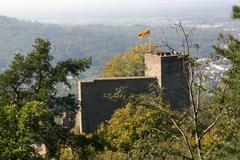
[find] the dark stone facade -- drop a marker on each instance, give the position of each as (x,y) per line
(96,107)
(174,82)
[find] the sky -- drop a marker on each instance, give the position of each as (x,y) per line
(37,9)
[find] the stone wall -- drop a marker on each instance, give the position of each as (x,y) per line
(172,77)
(174,82)
(153,66)
(95,107)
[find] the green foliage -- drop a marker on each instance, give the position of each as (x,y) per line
(229,93)
(18,126)
(228,149)
(131,126)
(144,115)
(26,123)
(219,140)
(236,12)
(111,155)
(127,64)
(34,77)
(227,99)
(156,146)
(65,153)
(81,147)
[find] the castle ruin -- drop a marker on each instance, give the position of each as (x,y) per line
(167,69)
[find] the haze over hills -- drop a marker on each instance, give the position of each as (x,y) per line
(129,16)
(101,37)
(72,9)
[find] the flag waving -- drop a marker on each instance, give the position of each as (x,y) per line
(144,34)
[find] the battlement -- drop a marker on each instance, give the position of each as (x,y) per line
(113,79)
(171,53)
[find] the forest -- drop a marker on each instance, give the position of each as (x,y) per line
(98,40)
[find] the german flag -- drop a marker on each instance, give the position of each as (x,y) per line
(144,34)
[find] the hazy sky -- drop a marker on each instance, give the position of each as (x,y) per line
(43,8)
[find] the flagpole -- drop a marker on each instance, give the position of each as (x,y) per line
(144,34)
(150,42)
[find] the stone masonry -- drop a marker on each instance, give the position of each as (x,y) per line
(96,107)
(172,78)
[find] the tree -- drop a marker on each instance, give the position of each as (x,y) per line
(220,131)
(143,116)
(227,98)
(34,77)
(236,12)
(129,63)
(29,79)
(229,47)
(18,127)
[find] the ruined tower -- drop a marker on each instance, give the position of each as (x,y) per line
(170,70)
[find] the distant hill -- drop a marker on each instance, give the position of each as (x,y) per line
(67,41)
(98,41)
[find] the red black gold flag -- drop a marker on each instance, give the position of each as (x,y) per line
(144,34)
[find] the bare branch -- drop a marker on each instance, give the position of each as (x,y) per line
(185,35)
(210,127)
(166,44)
(185,139)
